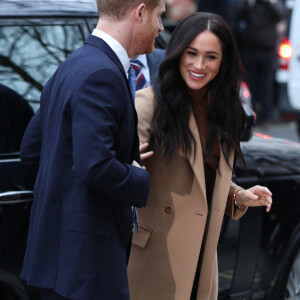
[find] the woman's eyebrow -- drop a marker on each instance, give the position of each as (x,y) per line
(189,47)
(208,52)
(213,52)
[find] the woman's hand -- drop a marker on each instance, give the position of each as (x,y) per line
(255,196)
(143,148)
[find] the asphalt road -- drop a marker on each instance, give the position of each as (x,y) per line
(286,130)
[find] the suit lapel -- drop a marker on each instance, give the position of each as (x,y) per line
(99,43)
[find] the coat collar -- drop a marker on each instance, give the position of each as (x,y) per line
(196,161)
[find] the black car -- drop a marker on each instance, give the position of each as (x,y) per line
(259,256)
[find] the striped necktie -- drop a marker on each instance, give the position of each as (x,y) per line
(132,81)
(132,85)
(140,78)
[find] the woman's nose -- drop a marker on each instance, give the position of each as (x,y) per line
(200,64)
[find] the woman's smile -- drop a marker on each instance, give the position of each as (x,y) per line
(196,75)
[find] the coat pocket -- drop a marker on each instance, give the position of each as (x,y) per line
(141,239)
(81,222)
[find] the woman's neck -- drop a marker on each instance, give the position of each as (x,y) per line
(199,96)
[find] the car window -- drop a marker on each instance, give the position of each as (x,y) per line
(29,55)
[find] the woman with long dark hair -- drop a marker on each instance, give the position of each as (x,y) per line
(193,119)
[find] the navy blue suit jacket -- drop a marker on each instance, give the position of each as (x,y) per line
(154,60)
(84,137)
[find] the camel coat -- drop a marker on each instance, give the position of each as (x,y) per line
(165,252)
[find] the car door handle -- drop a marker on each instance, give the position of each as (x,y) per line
(15,197)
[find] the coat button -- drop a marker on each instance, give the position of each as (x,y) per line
(168,209)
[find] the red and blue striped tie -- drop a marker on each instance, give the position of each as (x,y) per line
(140,78)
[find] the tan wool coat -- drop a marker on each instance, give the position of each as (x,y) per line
(165,252)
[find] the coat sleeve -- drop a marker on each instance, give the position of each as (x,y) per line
(144,103)
(98,108)
(233,211)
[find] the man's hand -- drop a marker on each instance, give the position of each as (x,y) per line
(143,148)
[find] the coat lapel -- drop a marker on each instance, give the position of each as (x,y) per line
(222,179)
(197,161)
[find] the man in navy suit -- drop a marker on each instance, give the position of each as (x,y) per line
(84,138)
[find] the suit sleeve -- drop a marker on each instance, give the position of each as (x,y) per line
(30,150)
(233,211)
(144,103)
(32,140)
(98,106)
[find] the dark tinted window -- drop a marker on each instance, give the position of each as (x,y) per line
(29,55)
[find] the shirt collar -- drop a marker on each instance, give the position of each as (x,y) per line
(115,46)
(143,59)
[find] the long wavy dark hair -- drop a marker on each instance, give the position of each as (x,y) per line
(226,116)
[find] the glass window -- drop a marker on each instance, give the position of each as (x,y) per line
(29,55)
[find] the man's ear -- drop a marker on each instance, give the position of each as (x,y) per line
(139,12)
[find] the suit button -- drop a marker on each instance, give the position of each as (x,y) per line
(168,209)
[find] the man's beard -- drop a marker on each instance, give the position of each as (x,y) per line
(146,44)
